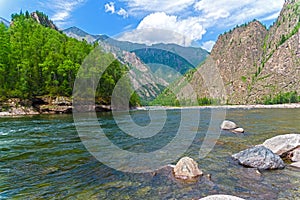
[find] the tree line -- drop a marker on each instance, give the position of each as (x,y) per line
(36,60)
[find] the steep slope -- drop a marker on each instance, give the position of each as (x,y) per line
(280,69)
(254,63)
(148,85)
(43,19)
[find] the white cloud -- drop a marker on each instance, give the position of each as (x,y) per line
(231,12)
(208,45)
(123,12)
(62,9)
(110,7)
(167,6)
(178,31)
(196,16)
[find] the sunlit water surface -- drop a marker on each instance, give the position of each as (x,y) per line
(42,157)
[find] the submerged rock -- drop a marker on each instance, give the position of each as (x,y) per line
(238,130)
(259,157)
(221,197)
(186,168)
(283,144)
(231,126)
(228,125)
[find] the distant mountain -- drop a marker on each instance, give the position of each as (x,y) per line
(4,21)
(157,65)
(79,34)
(255,64)
(194,56)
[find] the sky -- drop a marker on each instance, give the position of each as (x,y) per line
(183,22)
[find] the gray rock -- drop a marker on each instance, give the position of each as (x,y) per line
(259,157)
(238,130)
(282,144)
(187,168)
(296,164)
(221,197)
(228,125)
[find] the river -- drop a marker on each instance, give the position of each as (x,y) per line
(43,157)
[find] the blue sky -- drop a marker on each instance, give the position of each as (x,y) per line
(184,22)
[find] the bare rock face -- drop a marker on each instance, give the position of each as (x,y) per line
(253,63)
(283,144)
(186,168)
(259,157)
(221,197)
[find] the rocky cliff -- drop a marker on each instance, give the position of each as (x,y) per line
(252,62)
(43,19)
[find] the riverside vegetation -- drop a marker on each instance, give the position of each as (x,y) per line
(38,60)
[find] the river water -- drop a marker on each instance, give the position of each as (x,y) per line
(42,157)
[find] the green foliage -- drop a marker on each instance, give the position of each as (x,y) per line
(244,79)
(37,60)
(281,98)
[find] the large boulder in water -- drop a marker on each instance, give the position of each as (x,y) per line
(259,157)
(282,144)
(186,168)
(221,197)
(228,125)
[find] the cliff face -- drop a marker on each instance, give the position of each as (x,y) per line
(237,55)
(253,62)
(43,20)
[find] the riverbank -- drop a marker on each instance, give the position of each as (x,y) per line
(257,106)
(63,105)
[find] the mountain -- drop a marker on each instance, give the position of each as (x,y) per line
(148,85)
(79,34)
(252,63)
(4,21)
(152,67)
(148,54)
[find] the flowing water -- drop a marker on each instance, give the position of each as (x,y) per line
(42,157)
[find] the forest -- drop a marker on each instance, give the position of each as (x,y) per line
(37,60)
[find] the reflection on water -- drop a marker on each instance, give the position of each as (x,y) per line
(43,157)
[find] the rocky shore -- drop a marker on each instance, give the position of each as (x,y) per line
(41,105)
(252,106)
(63,105)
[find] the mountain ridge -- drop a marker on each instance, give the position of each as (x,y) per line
(254,64)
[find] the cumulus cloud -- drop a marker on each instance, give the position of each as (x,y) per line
(123,12)
(208,45)
(153,29)
(110,7)
(196,16)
